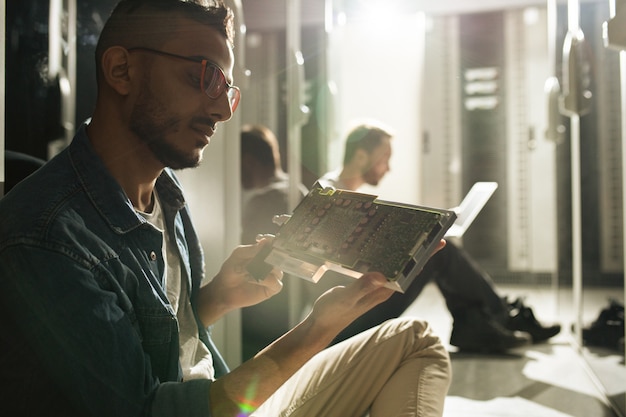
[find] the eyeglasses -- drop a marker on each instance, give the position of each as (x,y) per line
(212,79)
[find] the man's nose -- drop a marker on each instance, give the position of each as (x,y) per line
(219,108)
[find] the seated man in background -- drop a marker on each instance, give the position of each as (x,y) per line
(265,194)
(483,320)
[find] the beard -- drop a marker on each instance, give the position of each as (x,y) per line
(371,177)
(151,122)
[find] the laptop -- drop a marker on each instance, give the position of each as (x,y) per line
(352,233)
(469,208)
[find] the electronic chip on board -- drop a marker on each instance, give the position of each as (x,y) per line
(353,233)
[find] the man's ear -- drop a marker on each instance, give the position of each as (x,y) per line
(115,69)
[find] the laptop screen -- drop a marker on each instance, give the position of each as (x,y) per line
(471,205)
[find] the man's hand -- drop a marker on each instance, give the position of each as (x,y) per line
(234,287)
(332,311)
(339,306)
(343,304)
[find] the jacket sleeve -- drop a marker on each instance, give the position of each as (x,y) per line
(82,336)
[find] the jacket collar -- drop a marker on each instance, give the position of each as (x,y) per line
(107,195)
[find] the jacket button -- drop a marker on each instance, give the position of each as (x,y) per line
(153,256)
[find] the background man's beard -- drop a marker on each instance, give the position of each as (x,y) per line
(371,178)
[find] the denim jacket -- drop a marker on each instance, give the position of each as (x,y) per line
(85,325)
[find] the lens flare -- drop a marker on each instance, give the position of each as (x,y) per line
(247,404)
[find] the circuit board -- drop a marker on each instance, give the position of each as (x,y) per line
(354,233)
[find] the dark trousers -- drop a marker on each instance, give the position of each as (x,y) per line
(462,282)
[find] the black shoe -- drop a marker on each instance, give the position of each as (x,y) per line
(522,318)
(475,331)
(608,329)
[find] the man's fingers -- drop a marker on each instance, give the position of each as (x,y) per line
(273,281)
(272,284)
(441,245)
(266,236)
(370,289)
(245,253)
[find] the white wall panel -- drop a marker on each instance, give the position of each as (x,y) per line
(530,157)
(441,116)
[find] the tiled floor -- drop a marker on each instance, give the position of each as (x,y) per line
(546,380)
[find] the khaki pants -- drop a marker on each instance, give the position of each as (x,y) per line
(397,369)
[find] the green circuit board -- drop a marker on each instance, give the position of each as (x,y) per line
(357,231)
